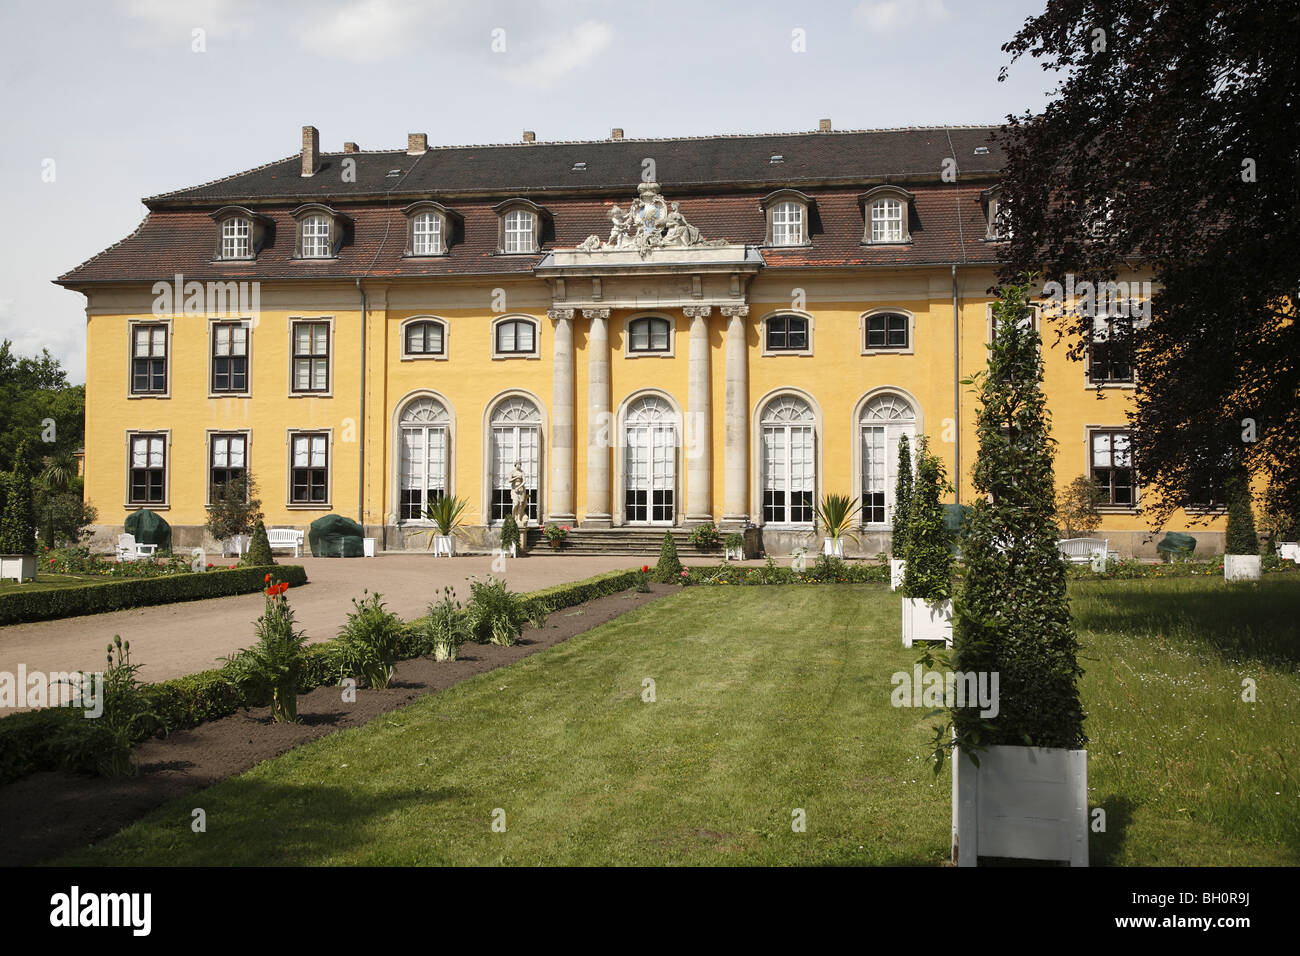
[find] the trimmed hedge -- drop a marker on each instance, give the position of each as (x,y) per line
(28,740)
(17,607)
(821,571)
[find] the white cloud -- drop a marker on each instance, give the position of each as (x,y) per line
(561,54)
(368,30)
(172,19)
(887,16)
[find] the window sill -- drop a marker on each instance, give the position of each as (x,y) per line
(888,351)
(1120,385)
(426,255)
(154,506)
(230,394)
(424,358)
(779,352)
(293,394)
(867,243)
(505,356)
(314,506)
(778,246)
(1119,509)
(314,259)
(649,353)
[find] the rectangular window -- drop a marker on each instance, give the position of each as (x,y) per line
(1111,464)
(515,337)
(787,333)
(427,235)
(875,474)
(787,224)
(309,469)
(235,239)
(519,232)
(1110,350)
(229,357)
(315,237)
(311,356)
(887,331)
(887,220)
(148,481)
(227,459)
(149,359)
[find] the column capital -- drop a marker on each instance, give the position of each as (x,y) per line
(732,311)
(697,311)
(595,313)
(557,314)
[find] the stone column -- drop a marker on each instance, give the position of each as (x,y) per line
(600,426)
(735,506)
(697,438)
(562,424)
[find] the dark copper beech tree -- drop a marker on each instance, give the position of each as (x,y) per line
(1172,144)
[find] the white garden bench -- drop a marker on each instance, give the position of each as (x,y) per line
(285,538)
(1081,550)
(1289,551)
(128,549)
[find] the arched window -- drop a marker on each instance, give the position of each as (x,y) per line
(789,470)
(426,337)
(648,335)
(883,421)
(650,461)
(423,457)
(887,330)
(787,333)
(516,337)
(516,437)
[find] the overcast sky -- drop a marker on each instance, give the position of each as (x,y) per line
(127,101)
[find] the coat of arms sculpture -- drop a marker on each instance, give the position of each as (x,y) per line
(650,223)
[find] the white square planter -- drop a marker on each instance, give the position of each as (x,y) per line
(833,549)
(734,554)
(368,547)
(1241,567)
(897,567)
(926,621)
(1025,803)
(444,544)
(18,567)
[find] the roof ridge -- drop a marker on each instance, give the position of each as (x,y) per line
(103,252)
(222,179)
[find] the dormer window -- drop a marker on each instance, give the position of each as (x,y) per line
(520,227)
(320,231)
(240,232)
(994,213)
(886,211)
(429,228)
(787,217)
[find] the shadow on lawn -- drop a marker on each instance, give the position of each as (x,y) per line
(1104,848)
(1238,622)
(251,822)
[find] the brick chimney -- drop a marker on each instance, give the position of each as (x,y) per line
(616,133)
(824,126)
(351,148)
(529,136)
(310,150)
(417,143)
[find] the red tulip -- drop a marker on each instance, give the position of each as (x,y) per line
(267,579)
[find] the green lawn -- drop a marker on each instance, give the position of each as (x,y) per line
(771,699)
(52,582)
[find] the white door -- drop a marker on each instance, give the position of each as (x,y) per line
(789,471)
(650,463)
(516,436)
(884,421)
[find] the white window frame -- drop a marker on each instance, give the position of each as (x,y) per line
(294,392)
(1090,431)
(148,433)
(131,356)
(236,238)
(789,223)
(519,235)
(316,244)
(247,326)
(212,435)
(294,433)
(668,352)
(887,220)
(427,241)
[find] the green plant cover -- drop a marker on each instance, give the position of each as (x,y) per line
(149,528)
(18,517)
(334,536)
(902,498)
(509,533)
(1241,537)
(928,572)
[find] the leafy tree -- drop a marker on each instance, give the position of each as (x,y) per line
(235,508)
(1171,145)
(669,568)
(33,393)
(928,572)
(1012,612)
(1241,537)
(902,498)
(1079,507)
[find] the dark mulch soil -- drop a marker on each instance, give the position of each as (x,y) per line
(49,813)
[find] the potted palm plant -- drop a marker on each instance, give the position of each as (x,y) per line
(1020,773)
(902,513)
(444,513)
(835,513)
(927,567)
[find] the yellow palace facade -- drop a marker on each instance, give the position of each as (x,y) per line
(659,332)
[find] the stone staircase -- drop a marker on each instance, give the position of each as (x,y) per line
(638,541)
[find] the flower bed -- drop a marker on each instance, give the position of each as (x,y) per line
(81,562)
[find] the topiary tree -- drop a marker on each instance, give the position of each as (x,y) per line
(902,498)
(1079,507)
(669,568)
(259,549)
(235,508)
(1241,537)
(510,534)
(928,573)
(18,519)
(1012,612)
